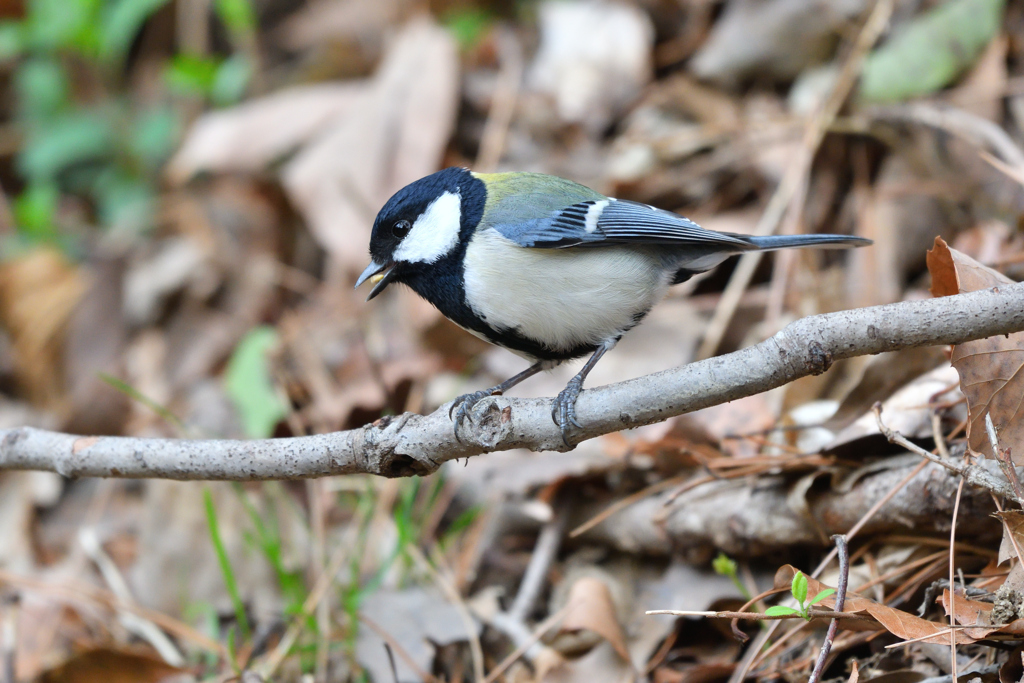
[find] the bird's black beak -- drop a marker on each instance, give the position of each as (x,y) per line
(379,274)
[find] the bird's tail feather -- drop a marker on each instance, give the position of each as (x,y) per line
(772,242)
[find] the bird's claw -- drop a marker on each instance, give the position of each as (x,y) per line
(465,404)
(563,409)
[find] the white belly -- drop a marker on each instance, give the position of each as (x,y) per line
(562,298)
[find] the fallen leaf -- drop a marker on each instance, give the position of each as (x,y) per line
(107,665)
(1013,533)
(325,21)
(1012,669)
(978,615)
(39,292)
(397,135)
(991,370)
(882,377)
(248,383)
(931,51)
(251,136)
(593,58)
(590,607)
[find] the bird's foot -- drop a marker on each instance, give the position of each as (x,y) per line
(463,405)
(563,408)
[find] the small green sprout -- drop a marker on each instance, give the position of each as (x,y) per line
(726,566)
(799,591)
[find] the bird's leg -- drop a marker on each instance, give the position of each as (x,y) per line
(466,402)
(563,408)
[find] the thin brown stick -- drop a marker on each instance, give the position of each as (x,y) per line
(974,474)
(830,635)
(952,577)
(624,503)
(1003,456)
(760,616)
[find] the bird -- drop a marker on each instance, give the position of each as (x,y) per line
(543,266)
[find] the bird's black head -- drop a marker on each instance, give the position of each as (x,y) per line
(423,223)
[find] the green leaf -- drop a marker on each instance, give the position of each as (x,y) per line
(42,89)
(55,24)
(231,80)
(154,136)
(799,587)
(238,16)
(12,39)
(931,51)
(724,565)
(822,595)
(64,141)
(190,74)
(126,202)
(35,210)
(121,22)
(468,26)
(249,386)
(780,611)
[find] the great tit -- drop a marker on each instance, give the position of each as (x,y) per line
(544,267)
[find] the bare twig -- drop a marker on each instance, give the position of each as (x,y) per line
(972,474)
(830,635)
(952,577)
(816,614)
(1003,456)
(531,640)
(544,553)
(418,444)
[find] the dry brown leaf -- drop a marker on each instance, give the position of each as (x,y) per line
(250,136)
(590,607)
(1012,669)
(1013,533)
(978,615)
(325,21)
(899,623)
(991,370)
(396,136)
(107,665)
(38,295)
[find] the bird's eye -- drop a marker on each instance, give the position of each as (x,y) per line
(401,229)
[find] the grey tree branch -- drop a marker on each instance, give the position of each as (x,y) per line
(418,444)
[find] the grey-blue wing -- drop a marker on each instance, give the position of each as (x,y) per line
(609,221)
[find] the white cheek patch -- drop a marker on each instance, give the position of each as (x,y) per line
(435,232)
(593,213)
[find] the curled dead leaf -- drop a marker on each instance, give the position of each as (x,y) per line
(991,370)
(38,295)
(590,607)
